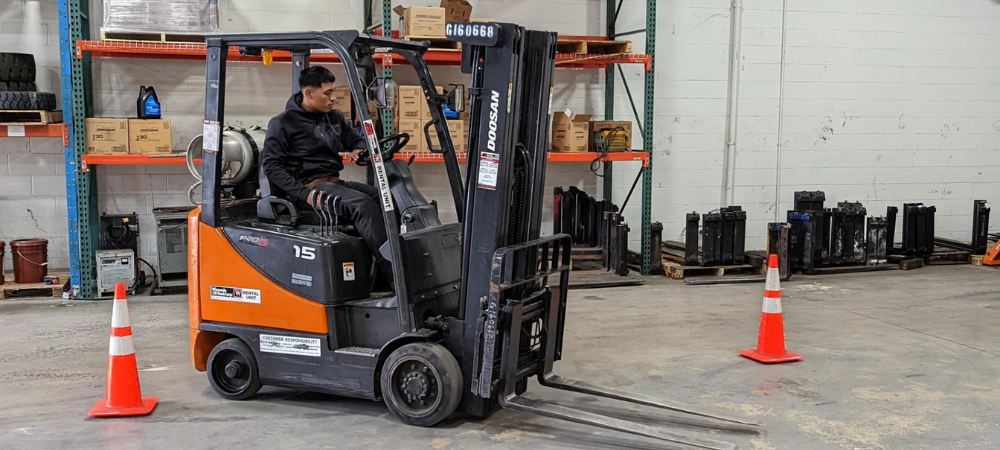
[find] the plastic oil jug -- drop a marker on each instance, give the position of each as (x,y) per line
(148,105)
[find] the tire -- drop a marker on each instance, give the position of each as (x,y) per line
(17,86)
(17,67)
(421,384)
(45,101)
(232,370)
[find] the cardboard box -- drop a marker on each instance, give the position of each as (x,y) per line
(149,136)
(107,136)
(459,135)
(342,100)
(420,21)
(415,128)
(410,103)
(456,10)
(570,134)
(615,141)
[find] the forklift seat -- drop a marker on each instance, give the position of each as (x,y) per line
(416,213)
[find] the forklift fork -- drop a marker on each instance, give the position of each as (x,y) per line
(531,302)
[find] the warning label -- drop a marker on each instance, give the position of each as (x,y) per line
(302,280)
(231,294)
(210,136)
(349,271)
(489,168)
(289,345)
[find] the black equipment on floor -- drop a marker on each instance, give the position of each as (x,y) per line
(918,229)
(723,238)
(980,227)
(592,223)
(777,244)
(875,250)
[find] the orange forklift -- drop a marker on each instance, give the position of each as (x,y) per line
(282,294)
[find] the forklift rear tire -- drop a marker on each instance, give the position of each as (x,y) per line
(232,370)
(422,384)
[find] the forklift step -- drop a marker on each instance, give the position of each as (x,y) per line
(358,351)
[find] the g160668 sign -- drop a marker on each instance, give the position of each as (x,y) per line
(473,33)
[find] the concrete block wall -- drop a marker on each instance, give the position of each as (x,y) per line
(32,180)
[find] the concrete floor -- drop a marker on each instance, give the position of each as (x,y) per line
(893,360)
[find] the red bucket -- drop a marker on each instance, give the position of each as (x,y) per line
(31,260)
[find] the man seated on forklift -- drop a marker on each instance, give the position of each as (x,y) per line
(302,157)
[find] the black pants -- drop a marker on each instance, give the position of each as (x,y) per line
(359,204)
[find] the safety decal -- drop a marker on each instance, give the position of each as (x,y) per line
(349,271)
(210,136)
(239,295)
(289,345)
(302,280)
(379,168)
(489,168)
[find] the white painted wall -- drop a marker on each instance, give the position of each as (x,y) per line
(882,102)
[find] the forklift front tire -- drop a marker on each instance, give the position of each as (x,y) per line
(422,384)
(232,370)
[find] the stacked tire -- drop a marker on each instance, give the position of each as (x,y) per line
(17,84)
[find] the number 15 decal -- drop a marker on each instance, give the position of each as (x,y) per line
(304,252)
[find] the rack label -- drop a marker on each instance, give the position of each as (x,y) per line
(15,131)
(489,168)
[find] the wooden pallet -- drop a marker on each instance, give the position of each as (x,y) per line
(678,272)
(941,256)
(32,291)
(438,42)
(977,260)
(29,117)
(852,269)
(585,258)
(149,36)
(594,47)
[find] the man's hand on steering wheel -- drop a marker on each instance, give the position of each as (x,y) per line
(356,153)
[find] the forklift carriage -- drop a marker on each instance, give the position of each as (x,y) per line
(285,295)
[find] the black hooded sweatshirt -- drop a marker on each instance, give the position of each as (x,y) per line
(302,146)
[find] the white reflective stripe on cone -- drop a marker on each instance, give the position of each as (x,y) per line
(119,315)
(121,346)
(772,305)
(772,283)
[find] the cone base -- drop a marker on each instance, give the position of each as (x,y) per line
(771,359)
(101,409)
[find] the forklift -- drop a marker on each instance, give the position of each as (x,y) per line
(283,294)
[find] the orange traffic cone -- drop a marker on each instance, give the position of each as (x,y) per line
(122,397)
(771,337)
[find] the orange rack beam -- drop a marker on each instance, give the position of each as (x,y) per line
(89,160)
(50,130)
(171,50)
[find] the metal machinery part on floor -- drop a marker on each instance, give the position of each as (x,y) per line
(292,304)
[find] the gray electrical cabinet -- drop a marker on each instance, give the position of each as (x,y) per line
(171,247)
(113,267)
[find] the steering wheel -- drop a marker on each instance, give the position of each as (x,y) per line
(398,141)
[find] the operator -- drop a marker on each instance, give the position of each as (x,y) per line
(302,156)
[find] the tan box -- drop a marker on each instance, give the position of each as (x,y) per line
(425,110)
(614,140)
(456,10)
(415,128)
(107,136)
(149,136)
(409,103)
(342,100)
(421,21)
(570,135)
